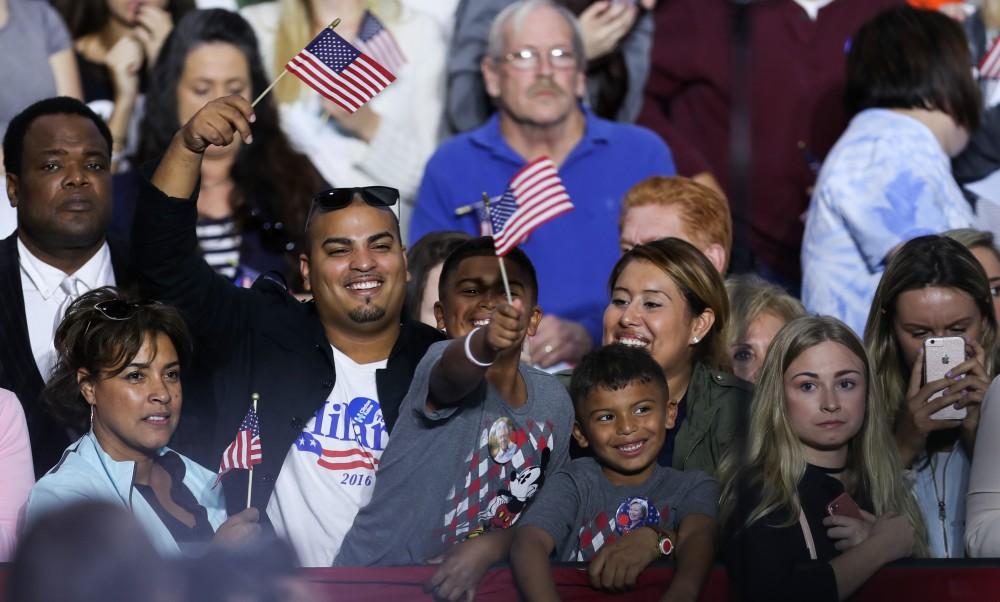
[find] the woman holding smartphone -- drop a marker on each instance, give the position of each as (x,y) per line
(933,287)
(819,449)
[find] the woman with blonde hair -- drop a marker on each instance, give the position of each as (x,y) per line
(757,311)
(934,287)
(668,298)
(818,445)
(386,141)
(983,247)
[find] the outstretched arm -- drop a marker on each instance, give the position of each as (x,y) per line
(455,376)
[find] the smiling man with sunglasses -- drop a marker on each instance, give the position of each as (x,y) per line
(331,372)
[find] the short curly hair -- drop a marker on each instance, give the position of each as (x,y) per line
(88,339)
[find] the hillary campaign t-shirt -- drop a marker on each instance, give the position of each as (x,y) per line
(458,472)
(329,472)
(582,510)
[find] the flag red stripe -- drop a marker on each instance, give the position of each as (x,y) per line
(990,59)
(338,453)
(517,223)
(518,231)
(345,465)
(323,90)
(325,77)
(331,78)
(359,81)
(529,170)
(541,189)
(380,74)
(521,230)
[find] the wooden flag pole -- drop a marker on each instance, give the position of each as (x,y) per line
(503,268)
(255,397)
(274,83)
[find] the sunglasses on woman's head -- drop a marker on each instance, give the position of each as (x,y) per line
(117,309)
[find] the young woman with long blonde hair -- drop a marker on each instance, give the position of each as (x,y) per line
(934,287)
(817,431)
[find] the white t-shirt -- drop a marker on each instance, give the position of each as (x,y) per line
(329,472)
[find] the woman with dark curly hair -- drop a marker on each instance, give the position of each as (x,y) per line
(253,197)
(119,370)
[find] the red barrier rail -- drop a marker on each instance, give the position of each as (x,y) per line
(933,581)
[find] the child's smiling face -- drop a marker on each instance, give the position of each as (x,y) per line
(475,288)
(625,429)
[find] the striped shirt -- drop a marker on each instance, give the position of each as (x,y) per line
(220,244)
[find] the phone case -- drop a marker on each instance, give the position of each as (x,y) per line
(844,505)
(940,355)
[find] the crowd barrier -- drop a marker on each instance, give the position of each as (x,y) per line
(913,581)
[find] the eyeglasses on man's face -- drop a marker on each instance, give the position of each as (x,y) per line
(527,59)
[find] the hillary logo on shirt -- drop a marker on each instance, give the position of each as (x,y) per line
(346,436)
(632,513)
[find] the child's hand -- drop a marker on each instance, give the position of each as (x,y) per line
(848,532)
(617,564)
(505,329)
(462,568)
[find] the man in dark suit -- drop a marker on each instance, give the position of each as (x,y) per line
(57,154)
(329,374)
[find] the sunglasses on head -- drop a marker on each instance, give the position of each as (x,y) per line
(117,310)
(338,198)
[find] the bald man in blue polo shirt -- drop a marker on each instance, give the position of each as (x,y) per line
(534,71)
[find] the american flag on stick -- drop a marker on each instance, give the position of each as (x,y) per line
(339,71)
(989,67)
(535,195)
(377,42)
(245,450)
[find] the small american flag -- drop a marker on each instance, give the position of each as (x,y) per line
(245,450)
(989,67)
(377,42)
(535,195)
(339,71)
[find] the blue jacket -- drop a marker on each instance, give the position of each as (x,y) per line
(87,473)
(574,253)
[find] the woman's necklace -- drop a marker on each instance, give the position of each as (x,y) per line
(942,510)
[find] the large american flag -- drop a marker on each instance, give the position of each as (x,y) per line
(989,67)
(339,71)
(245,450)
(535,195)
(377,42)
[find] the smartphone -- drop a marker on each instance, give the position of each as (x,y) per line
(844,505)
(940,355)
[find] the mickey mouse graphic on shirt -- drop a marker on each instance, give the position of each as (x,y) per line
(504,510)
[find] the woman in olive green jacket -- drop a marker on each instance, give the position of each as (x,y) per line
(668,298)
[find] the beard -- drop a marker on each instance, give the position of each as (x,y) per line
(366,313)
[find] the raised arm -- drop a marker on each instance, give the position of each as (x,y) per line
(456,375)
(165,253)
(217,123)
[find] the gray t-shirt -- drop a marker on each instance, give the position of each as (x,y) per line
(34,31)
(450,474)
(582,510)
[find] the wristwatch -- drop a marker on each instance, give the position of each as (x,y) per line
(664,545)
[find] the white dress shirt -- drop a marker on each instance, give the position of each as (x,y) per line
(46,297)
